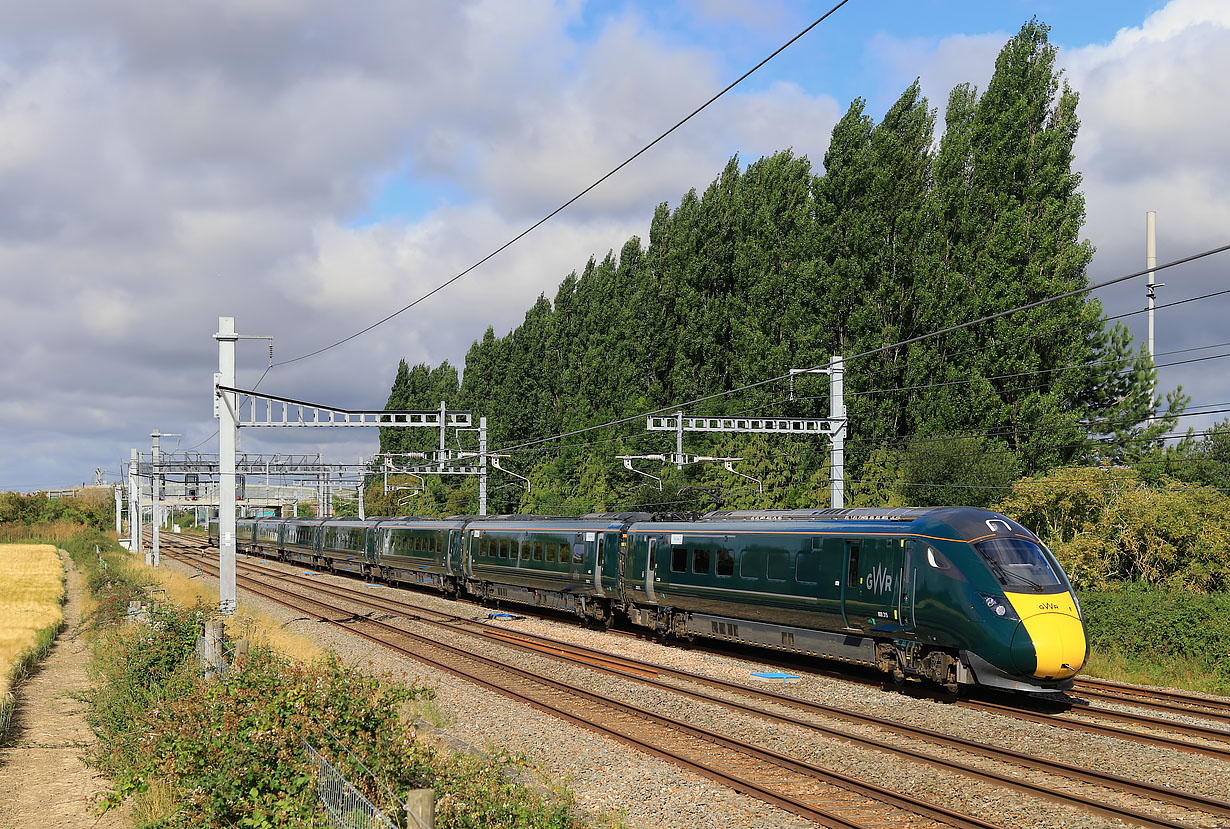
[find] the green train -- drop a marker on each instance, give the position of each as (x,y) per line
(956,596)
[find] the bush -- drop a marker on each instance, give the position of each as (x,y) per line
(230,752)
(1162,627)
(976,471)
(1107,527)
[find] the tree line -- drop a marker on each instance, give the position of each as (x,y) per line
(778,265)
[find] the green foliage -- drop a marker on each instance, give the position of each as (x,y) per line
(231,752)
(1162,627)
(774,267)
(957,471)
(93,509)
(1203,461)
(1108,526)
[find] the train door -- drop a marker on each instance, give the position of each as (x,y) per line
(905,597)
(872,583)
(454,544)
(582,553)
(651,570)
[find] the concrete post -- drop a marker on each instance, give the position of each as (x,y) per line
(837,413)
(421,808)
(1151,289)
(134,502)
(226,405)
(482,466)
(119,505)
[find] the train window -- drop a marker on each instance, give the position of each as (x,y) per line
(482,545)
(679,559)
(937,560)
(552,548)
(751,564)
(505,548)
(538,552)
(852,549)
(725,563)
(807,567)
(1018,562)
(700,561)
(578,552)
(777,566)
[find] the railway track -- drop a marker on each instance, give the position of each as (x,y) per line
(668,679)
(1078,708)
(804,789)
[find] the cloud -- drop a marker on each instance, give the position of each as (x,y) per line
(203,159)
(1153,120)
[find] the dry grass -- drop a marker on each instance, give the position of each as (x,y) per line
(57,531)
(31,603)
(256,627)
(1174,672)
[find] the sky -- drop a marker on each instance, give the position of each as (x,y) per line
(308,167)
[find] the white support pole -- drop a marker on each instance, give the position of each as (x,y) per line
(443,443)
(134,502)
(119,505)
(679,440)
(226,409)
(362,513)
(155,475)
(482,466)
(1151,290)
(837,413)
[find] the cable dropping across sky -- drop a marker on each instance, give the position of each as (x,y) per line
(572,200)
(879,350)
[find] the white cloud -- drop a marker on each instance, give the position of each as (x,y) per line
(203,159)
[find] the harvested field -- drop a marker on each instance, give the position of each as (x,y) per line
(31,610)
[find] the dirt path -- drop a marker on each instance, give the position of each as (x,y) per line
(43,782)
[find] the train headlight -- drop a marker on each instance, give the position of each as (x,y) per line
(1000,606)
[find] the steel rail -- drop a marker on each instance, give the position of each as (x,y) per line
(1171,701)
(760,791)
(644,672)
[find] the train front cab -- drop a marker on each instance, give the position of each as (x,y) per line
(986,589)
(1047,646)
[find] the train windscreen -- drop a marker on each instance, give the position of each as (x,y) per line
(1019,563)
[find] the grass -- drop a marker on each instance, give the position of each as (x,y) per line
(51,532)
(258,628)
(31,614)
(1174,672)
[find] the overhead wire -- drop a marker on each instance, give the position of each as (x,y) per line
(575,198)
(878,350)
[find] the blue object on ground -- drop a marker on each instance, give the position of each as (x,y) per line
(775,675)
(503,616)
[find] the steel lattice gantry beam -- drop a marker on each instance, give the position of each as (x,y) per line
(257,409)
(789,425)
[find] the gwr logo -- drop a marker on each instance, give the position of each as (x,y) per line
(880,580)
(1048,606)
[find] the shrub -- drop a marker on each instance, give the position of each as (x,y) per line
(1108,527)
(230,752)
(1156,626)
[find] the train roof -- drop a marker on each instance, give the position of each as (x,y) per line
(958,523)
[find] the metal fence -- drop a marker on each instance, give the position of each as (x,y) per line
(346,805)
